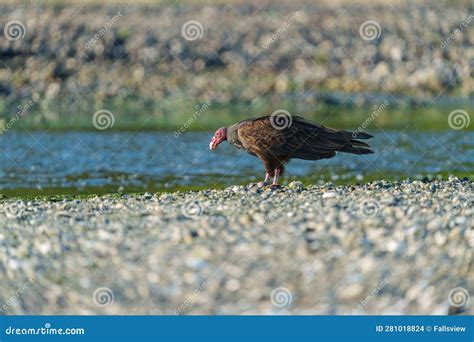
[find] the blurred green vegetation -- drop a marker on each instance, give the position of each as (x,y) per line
(215,182)
(172,114)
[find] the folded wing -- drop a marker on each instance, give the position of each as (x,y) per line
(303,139)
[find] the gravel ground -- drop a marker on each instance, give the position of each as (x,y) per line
(379,248)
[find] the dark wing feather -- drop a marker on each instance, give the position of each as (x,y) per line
(303,139)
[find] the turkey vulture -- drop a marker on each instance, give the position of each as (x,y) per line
(277,138)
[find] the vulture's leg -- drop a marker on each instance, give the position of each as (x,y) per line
(275,177)
(267,177)
(265,182)
(269,169)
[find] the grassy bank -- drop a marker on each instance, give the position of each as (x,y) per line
(214,183)
(185,115)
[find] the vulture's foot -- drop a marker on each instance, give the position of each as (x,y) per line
(276,186)
(265,182)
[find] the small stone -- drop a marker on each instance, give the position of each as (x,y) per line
(391,246)
(351,291)
(440,238)
(330,194)
(297,186)
(232,285)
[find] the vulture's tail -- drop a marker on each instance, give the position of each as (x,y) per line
(355,146)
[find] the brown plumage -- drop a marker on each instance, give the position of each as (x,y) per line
(277,139)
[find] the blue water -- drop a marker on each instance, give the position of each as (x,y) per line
(80,162)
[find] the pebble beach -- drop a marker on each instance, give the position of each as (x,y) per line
(379,248)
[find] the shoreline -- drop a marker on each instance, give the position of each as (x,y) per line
(69,193)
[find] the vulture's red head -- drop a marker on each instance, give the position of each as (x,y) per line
(219,136)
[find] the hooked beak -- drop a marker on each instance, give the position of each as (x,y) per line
(213,144)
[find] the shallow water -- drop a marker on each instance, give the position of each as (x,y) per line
(97,162)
